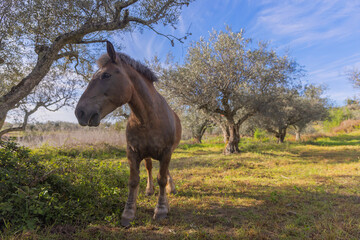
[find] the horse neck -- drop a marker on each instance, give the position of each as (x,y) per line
(142,100)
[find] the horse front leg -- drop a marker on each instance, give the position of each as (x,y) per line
(128,214)
(150,185)
(162,207)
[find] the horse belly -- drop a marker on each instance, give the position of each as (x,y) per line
(150,143)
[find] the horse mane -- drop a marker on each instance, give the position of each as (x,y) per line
(138,66)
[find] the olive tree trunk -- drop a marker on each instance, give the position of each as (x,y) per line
(2,119)
(226,133)
(199,134)
(232,145)
(297,136)
(281,135)
(198,131)
(298,130)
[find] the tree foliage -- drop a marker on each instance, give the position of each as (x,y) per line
(354,77)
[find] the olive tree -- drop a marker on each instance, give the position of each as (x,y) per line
(312,107)
(42,34)
(230,79)
(296,108)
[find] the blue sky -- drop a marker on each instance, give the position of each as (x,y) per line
(321,35)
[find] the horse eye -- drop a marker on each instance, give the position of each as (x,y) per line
(105,75)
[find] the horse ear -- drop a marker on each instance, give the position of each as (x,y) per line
(111,51)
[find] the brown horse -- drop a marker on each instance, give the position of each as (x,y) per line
(153,129)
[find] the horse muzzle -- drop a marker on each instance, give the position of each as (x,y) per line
(91,118)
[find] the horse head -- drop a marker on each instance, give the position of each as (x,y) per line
(109,88)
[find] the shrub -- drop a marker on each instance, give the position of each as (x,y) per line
(45,188)
(260,134)
(336,116)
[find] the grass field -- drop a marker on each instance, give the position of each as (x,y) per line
(269,191)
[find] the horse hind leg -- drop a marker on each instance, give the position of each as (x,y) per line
(150,185)
(162,207)
(170,187)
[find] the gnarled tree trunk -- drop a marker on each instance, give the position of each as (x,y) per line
(200,130)
(226,133)
(298,130)
(199,134)
(2,118)
(281,135)
(232,145)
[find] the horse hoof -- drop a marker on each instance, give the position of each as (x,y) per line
(161,213)
(149,192)
(160,216)
(125,222)
(127,217)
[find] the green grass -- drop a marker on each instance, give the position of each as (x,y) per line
(339,140)
(269,191)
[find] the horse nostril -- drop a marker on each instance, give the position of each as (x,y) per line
(79,113)
(94,120)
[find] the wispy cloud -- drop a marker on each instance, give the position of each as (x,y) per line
(142,46)
(309,22)
(342,64)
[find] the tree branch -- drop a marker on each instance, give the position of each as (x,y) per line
(245,117)
(90,41)
(120,5)
(169,36)
(67,54)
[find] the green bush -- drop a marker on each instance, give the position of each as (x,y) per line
(260,134)
(22,200)
(45,188)
(336,116)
